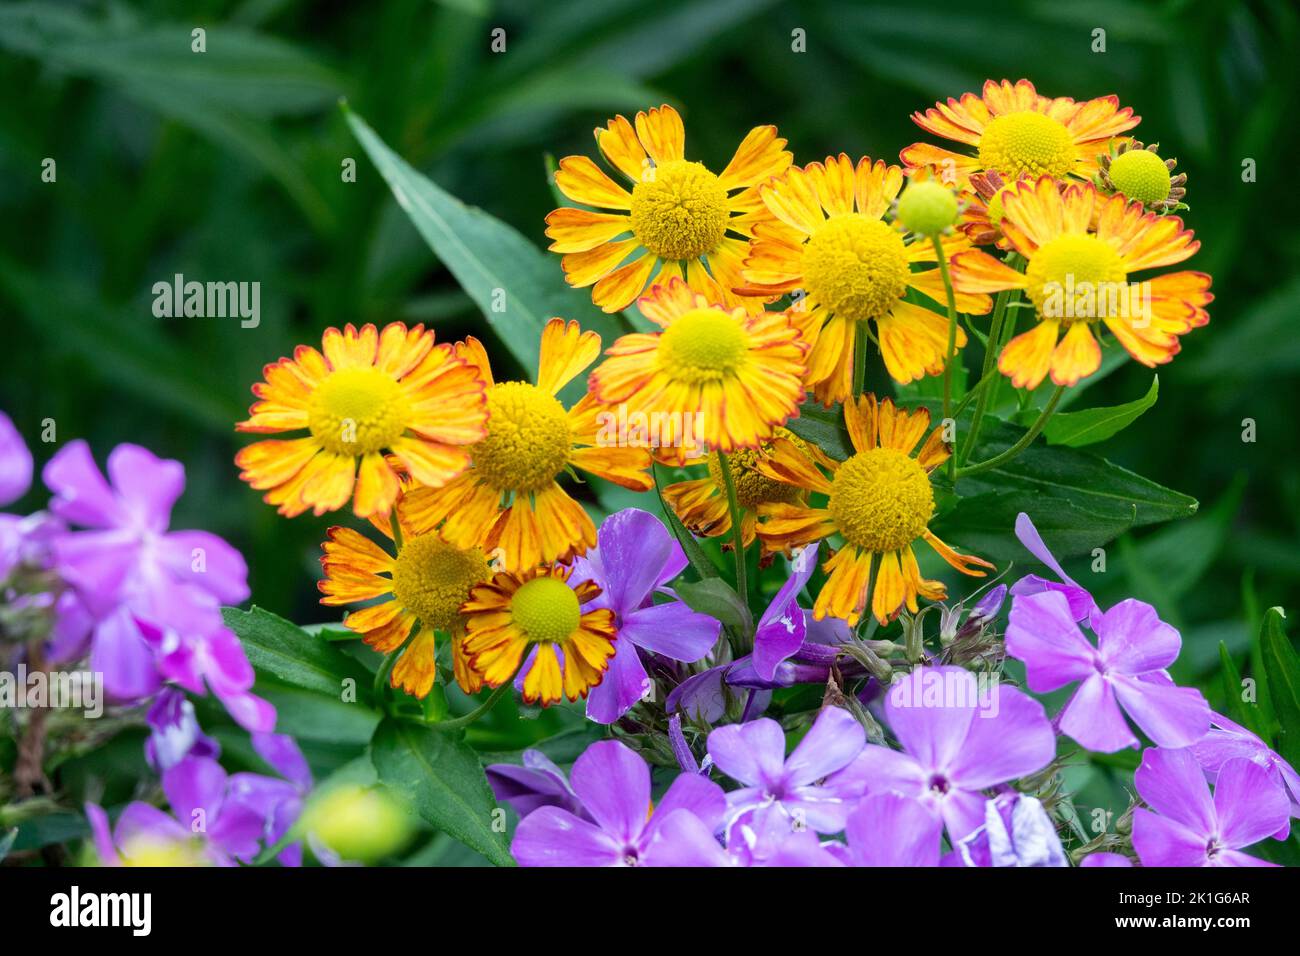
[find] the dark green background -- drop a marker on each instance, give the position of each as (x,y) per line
(226,166)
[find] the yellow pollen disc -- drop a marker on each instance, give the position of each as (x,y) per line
(152,851)
(680,213)
(1081,267)
(996,210)
(881,500)
(704,345)
(1027,143)
(546,610)
(528,439)
(752,487)
(355,411)
(855,266)
(432,578)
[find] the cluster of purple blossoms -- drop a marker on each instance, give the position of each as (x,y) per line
(142,602)
(105,580)
(944,790)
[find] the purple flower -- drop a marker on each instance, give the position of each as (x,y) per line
(958,738)
(1105,859)
(888,829)
(1189,827)
(1125,669)
(780,793)
(538,783)
(1081,602)
(1227,740)
(613,784)
(781,629)
(155,595)
(1017,832)
(634,558)
(15,463)
(174,732)
(215,823)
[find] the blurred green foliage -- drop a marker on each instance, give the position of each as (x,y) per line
(226,165)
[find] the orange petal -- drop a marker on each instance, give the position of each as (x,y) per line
(1027,358)
(565,351)
(583,181)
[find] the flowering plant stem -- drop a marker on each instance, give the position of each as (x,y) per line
(1025,441)
(860,360)
(481,709)
(991,349)
(952,343)
(737,533)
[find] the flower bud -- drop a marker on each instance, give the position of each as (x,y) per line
(927,208)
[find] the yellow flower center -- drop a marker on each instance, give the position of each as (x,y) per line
(432,578)
(528,439)
(1077,277)
(1027,143)
(1142,175)
(704,345)
(546,610)
(355,411)
(152,851)
(995,207)
(881,500)
(680,213)
(752,487)
(855,266)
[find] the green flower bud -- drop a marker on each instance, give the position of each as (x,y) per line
(358,823)
(1142,175)
(927,208)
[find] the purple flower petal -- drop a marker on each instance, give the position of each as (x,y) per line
(634,549)
(751,753)
(930,711)
(832,742)
(672,629)
(625,682)
(284,756)
(1093,718)
(892,830)
(1133,640)
(554,837)
(683,839)
(126,660)
(81,495)
(696,794)
(208,561)
(613,783)
(1171,716)
(1249,804)
(196,784)
(1161,841)
(15,463)
(1042,632)
(147,486)
(1105,859)
(1171,783)
(878,770)
(1013,740)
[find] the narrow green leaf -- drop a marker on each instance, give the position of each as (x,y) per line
(517,287)
(285,651)
(1074,429)
(1236,707)
(704,568)
(444,780)
(1282,671)
(718,599)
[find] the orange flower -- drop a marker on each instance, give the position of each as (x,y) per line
(370,392)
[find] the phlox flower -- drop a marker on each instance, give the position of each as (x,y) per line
(537,783)
(781,793)
(957,740)
(1186,826)
(15,463)
(888,829)
(1126,669)
(620,828)
(1017,832)
(634,559)
(1226,741)
(1080,600)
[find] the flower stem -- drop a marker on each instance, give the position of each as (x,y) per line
(737,533)
(381,675)
(859,359)
(952,341)
(1025,441)
(481,709)
(992,347)
(396,527)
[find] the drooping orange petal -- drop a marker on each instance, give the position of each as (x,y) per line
(1027,358)
(1076,356)
(616,291)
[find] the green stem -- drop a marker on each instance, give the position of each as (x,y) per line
(859,359)
(737,533)
(481,709)
(381,675)
(396,527)
(952,342)
(1025,441)
(992,349)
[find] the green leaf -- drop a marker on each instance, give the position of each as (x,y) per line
(824,427)
(718,599)
(1282,671)
(1092,425)
(516,286)
(285,651)
(984,523)
(704,568)
(7,842)
(444,780)
(1237,708)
